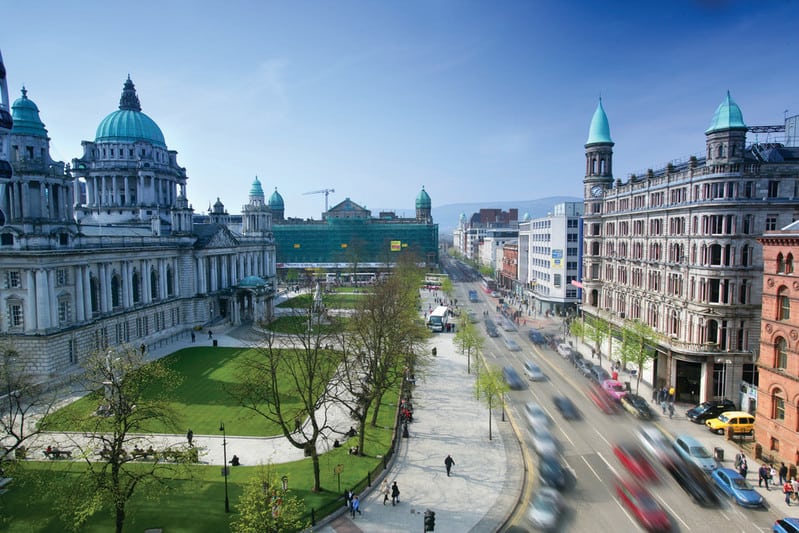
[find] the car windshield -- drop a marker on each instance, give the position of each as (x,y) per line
(724,418)
(741,484)
(702,407)
(618,387)
(546,504)
(700,452)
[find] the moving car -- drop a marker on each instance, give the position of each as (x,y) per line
(601,399)
(536,337)
(512,378)
(544,443)
(735,486)
(566,407)
(707,410)
(533,371)
(694,481)
(692,450)
(636,406)
(739,421)
(551,473)
(491,328)
(546,508)
(636,463)
(473,318)
(614,388)
(786,525)
(656,444)
(536,416)
(643,506)
(511,344)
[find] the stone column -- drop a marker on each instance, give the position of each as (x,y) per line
(214,279)
(53,302)
(42,301)
(87,292)
(225,275)
(30,303)
(147,295)
(80,312)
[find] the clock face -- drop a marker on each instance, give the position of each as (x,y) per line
(596,190)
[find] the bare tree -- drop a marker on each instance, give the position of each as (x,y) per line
(293,369)
(132,395)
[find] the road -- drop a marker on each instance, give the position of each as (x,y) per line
(586,445)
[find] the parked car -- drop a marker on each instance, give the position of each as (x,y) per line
(643,506)
(566,407)
(551,473)
(692,450)
(786,525)
(512,378)
(599,374)
(585,367)
(614,388)
(511,344)
(545,510)
(564,349)
(536,337)
(533,371)
(536,416)
(735,486)
(707,410)
(636,406)
(739,421)
(633,459)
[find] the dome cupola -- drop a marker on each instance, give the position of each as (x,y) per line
(26,117)
(256,190)
(599,132)
(728,116)
(128,123)
(276,201)
(423,200)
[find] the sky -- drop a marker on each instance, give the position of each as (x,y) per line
(476,101)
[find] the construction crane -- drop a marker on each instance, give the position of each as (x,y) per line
(325,191)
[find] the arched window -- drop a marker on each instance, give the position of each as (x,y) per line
(136,282)
(778,405)
(783,304)
(789,264)
(780,353)
(116,291)
(780,264)
(154,284)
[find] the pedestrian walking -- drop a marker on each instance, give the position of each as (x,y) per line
(210,334)
(671,410)
(355,507)
(743,467)
(395,494)
(384,490)
(783,473)
(762,476)
(348,498)
(787,489)
(192,337)
(190,436)
(795,487)
(449,462)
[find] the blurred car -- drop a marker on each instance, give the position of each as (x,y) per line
(551,473)
(566,407)
(786,525)
(740,422)
(707,410)
(643,506)
(512,378)
(491,328)
(544,443)
(614,388)
(693,481)
(564,349)
(546,508)
(636,406)
(473,318)
(599,374)
(511,344)
(536,337)
(692,450)
(601,399)
(536,416)
(533,371)
(656,444)
(735,486)
(636,463)
(506,324)
(585,367)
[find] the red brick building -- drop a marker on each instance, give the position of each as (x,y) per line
(777,417)
(510,266)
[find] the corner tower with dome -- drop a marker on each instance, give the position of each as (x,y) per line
(109,251)
(676,248)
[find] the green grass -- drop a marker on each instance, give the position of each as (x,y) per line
(331,301)
(297,325)
(188,506)
(202,399)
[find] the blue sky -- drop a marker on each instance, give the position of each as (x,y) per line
(476,101)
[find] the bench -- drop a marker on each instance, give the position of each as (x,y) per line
(58,454)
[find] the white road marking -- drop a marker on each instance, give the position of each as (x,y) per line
(592,470)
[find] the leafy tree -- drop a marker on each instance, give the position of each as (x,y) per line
(637,344)
(446,286)
(468,340)
(577,328)
(490,388)
(292,276)
(384,341)
(292,369)
(487,271)
(597,330)
(265,507)
(132,395)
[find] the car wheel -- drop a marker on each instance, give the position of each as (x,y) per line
(720,431)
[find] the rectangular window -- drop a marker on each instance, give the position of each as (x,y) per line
(64,311)
(13,279)
(556,280)
(61,277)
(779,408)
(771,222)
(773,188)
(16,319)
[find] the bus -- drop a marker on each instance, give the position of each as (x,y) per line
(437,321)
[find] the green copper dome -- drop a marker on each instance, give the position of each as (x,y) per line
(26,117)
(276,201)
(728,116)
(128,123)
(599,132)
(256,189)
(252,282)
(423,200)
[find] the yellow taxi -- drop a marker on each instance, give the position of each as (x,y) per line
(739,421)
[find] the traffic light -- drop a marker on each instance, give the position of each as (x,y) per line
(429,520)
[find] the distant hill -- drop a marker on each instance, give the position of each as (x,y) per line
(446,216)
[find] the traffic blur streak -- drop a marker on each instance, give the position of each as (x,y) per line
(601,399)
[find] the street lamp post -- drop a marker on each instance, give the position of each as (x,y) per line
(224,466)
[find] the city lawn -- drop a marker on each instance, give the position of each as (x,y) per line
(346,300)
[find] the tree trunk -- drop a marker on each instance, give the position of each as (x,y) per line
(120,516)
(489,424)
(317,483)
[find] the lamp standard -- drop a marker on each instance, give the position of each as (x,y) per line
(224,466)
